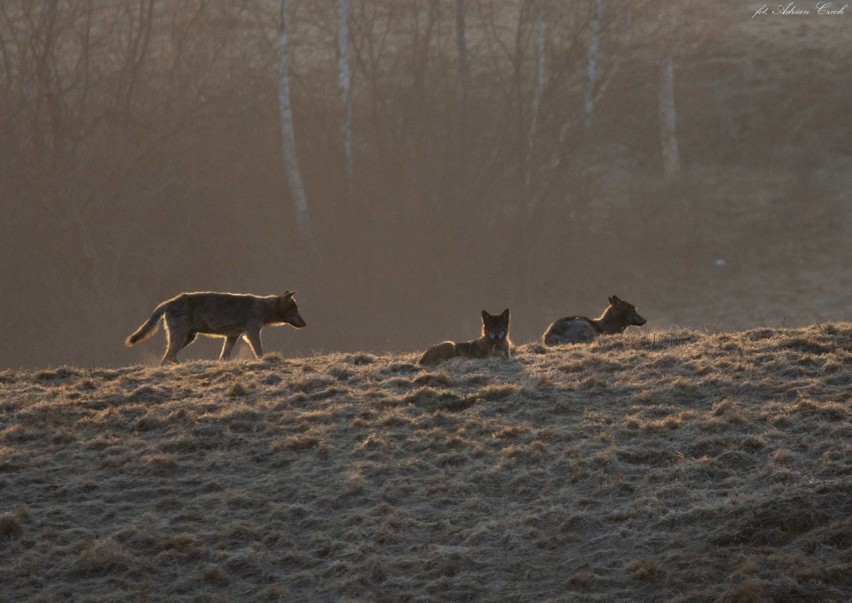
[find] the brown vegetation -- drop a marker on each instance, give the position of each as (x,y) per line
(674,465)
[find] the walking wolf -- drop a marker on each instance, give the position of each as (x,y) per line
(228,315)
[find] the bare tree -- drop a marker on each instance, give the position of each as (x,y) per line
(592,64)
(288,134)
(668,117)
(345,81)
(461,44)
(671,157)
(538,86)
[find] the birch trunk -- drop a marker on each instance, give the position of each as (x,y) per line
(541,74)
(671,158)
(461,44)
(345,87)
(592,68)
(288,134)
(464,72)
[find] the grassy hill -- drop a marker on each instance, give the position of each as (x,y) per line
(673,465)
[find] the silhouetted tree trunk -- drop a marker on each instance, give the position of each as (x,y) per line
(288,135)
(345,87)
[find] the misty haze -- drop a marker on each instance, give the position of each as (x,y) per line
(143,156)
(661,186)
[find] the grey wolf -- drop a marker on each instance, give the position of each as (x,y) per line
(577,329)
(228,315)
(493,341)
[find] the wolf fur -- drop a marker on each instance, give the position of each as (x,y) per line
(228,315)
(578,329)
(493,342)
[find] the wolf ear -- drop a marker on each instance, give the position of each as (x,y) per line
(288,294)
(485,315)
(506,313)
(613,299)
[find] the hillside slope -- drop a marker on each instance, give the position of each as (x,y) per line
(679,465)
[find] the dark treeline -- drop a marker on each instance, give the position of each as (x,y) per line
(476,155)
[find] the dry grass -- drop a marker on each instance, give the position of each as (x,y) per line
(673,465)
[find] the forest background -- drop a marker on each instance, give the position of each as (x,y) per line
(404,165)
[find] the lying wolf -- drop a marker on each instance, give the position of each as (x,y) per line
(494,341)
(576,329)
(228,315)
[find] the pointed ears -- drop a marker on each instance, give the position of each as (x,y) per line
(506,313)
(613,299)
(288,294)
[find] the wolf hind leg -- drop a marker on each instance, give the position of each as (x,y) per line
(438,353)
(189,339)
(229,344)
(176,337)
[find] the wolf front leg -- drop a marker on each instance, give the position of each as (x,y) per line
(229,344)
(253,339)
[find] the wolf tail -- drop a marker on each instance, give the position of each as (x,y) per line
(149,327)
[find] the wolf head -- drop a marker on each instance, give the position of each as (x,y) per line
(496,328)
(288,311)
(626,312)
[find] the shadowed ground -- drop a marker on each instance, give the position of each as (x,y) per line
(679,465)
